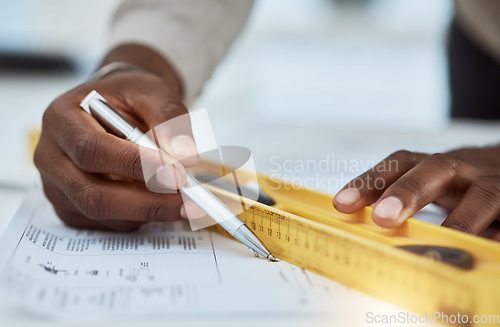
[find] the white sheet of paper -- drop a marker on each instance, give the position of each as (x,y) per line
(161,270)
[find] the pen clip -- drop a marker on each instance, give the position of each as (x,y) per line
(107,116)
(85,104)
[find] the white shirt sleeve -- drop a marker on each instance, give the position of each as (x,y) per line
(194,35)
(481,21)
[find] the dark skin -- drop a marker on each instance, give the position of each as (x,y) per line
(465,181)
(95,180)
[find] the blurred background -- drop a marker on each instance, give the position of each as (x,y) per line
(299,63)
(364,63)
(308,80)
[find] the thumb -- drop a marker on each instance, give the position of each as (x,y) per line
(170,126)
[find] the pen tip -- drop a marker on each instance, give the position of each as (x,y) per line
(272,259)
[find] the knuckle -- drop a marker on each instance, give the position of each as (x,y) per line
(172,109)
(89,200)
(164,209)
(488,187)
(134,164)
(174,210)
(448,164)
(84,152)
(151,211)
(462,223)
(409,185)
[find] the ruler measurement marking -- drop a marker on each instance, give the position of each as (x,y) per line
(338,256)
(288,231)
(348,255)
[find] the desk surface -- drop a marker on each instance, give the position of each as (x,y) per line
(273,146)
(363,146)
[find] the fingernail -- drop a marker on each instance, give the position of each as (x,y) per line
(169,177)
(389,208)
(190,210)
(183,145)
(348,196)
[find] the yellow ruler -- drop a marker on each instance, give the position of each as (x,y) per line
(300,226)
(304,229)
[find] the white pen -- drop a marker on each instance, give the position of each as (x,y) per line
(107,116)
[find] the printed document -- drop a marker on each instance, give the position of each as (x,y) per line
(166,269)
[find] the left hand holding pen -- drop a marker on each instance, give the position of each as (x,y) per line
(465,181)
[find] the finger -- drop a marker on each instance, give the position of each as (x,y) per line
(112,201)
(106,200)
(366,188)
(169,123)
(427,181)
(70,215)
(121,226)
(65,209)
(479,207)
(94,150)
(448,202)
(435,177)
(495,236)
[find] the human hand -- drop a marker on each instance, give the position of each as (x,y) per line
(95,179)
(465,181)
